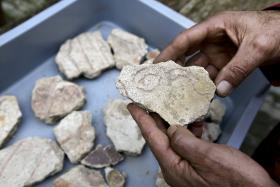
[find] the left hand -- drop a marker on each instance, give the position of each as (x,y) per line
(188,161)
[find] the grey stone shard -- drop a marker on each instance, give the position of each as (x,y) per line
(102,156)
(216,111)
(75,134)
(10,116)
(211,132)
(87,54)
(128,48)
(160,182)
(180,95)
(53,98)
(29,161)
(80,176)
(122,129)
(114,177)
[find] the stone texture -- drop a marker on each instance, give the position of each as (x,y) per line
(128,48)
(29,161)
(10,116)
(114,177)
(53,98)
(102,156)
(75,134)
(87,54)
(211,131)
(80,176)
(122,129)
(160,182)
(180,95)
(216,111)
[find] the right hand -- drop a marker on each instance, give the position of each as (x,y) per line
(231,45)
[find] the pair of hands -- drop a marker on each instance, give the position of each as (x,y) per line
(231,45)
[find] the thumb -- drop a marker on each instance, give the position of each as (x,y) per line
(185,144)
(245,61)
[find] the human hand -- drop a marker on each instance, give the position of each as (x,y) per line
(188,161)
(230,44)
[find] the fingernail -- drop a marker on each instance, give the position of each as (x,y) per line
(224,88)
(171,130)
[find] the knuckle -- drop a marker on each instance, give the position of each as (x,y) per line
(177,138)
(262,44)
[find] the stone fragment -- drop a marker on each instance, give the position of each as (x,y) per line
(80,176)
(122,129)
(75,134)
(180,95)
(102,156)
(216,111)
(211,131)
(151,55)
(29,161)
(114,177)
(160,182)
(53,98)
(128,48)
(87,54)
(10,116)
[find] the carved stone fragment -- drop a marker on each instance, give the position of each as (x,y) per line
(114,177)
(53,98)
(180,95)
(80,176)
(122,129)
(102,157)
(75,134)
(29,161)
(128,48)
(10,116)
(87,54)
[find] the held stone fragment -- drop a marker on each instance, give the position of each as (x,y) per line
(29,161)
(80,176)
(216,111)
(128,48)
(114,177)
(75,134)
(53,98)
(122,129)
(10,116)
(180,95)
(102,156)
(87,54)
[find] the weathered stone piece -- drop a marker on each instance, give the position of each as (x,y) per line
(87,54)
(122,129)
(151,55)
(53,98)
(75,134)
(216,111)
(10,116)
(211,131)
(180,95)
(80,176)
(128,48)
(29,161)
(102,156)
(160,182)
(114,177)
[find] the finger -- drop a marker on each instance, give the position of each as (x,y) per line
(199,59)
(196,128)
(247,59)
(213,71)
(161,124)
(157,140)
(191,38)
(185,144)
